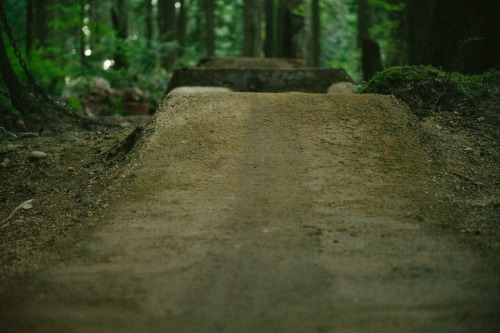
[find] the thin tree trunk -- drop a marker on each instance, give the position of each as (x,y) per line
(29,26)
(397,53)
(83,60)
(166,22)
(285,32)
(19,94)
(419,33)
(315,42)
(40,19)
(182,27)
(252,38)
(149,21)
(371,60)
(269,44)
(365,20)
(210,27)
(280,34)
(120,24)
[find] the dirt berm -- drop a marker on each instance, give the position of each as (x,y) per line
(245,212)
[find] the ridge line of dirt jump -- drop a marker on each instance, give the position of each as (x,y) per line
(290,212)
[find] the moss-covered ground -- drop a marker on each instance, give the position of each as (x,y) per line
(426,90)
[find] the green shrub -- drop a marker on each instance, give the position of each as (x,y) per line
(426,89)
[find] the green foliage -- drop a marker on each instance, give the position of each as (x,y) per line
(388,5)
(426,89)
(117,108)
(338,36)
(48,73)
(388,30)
(7,110)
(75,103)
(228,29)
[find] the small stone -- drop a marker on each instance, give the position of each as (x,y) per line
(468,149)
(125,124)
(37,155)
(71,169)
(5,163)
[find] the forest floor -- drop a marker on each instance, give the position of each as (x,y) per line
(254,212)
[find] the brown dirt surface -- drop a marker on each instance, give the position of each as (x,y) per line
(255,212)
(309,80)
(252,63)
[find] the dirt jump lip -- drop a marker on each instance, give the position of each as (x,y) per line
(253,63)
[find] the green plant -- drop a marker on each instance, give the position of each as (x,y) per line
(117,108)
(426,89)
(75,103)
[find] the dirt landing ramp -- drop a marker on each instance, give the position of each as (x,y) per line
(260,80)
(270,213)
(254,63)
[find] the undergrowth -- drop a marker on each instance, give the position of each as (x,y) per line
(426,89)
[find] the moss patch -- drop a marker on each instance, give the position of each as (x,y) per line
(426,89)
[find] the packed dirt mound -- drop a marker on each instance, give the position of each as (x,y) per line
(260,80)
(252,63)
(194,89)
(271,212)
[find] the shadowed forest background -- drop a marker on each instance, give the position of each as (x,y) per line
(135,45)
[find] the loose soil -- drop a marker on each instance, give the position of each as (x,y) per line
(255,212)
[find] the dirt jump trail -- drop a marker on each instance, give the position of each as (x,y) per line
(293,212)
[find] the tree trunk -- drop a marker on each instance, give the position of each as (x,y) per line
(315,42)
(29,26)
(19,94)
(40,21)
(285,32)
(83,59)
(119,16)
(365,20)
(210,27)
(252,37)
(419,15)
(269,44)
(397,52)
(182,27)
(371,60)
(458,35)
(149,21)
(166,22)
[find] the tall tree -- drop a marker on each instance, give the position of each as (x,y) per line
(397,51)
(365,20)
(19,94)
(166,22)
(269,43)
(29,26)
(315,40)
(82,43)
(458,35)
(42,15)
(149,21)
(182,27)
(371,60)
(252,25)
(210,27)
(288,25)
(119,15)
